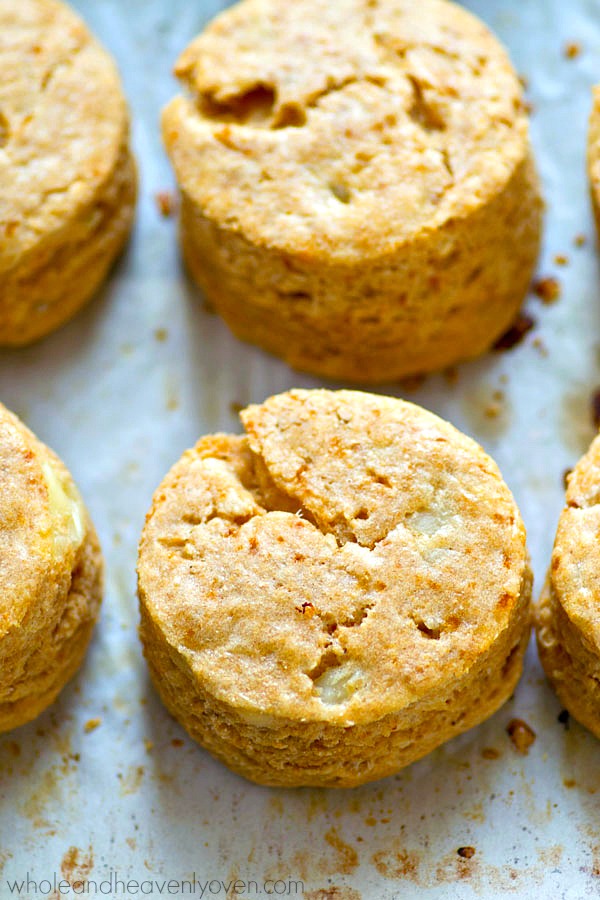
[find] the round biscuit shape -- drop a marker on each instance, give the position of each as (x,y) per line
(50,575)
(359,195)
(332,595)
(67,177)
(568,611)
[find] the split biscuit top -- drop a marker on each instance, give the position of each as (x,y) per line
(43,525)
(344,130)
(349,556)
(63,123)
(576,557)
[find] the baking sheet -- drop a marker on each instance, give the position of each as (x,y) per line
(122,390)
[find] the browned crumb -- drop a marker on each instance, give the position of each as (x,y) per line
(521,735)
(540,346)
(466,852)
(412,382)
(177,742)
(451,375)
(572,49)
(595,405)
(561,259)
(92,724)
(563,716)
(517,331)
(166,203)
(569,782)
(161,334)
(490,753)
(547,289)
(580,240)
(492,410)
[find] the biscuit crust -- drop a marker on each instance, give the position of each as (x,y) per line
(593,155)
(334,594)
(67,177)
(568,612)
(366,209)
(50,576)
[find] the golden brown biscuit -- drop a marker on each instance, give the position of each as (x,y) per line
(50,574)
(358,190)
(334,594)
(593,155)
(67,177)
(568,612)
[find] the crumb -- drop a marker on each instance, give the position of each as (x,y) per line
(490,753)
(177,742)
(569,782)
(565,481)
(547,289)
(466,852)
(563,717)
(412,382)
(166,203)
(236,408)
(596,408)
(149,745)
(515,334)
(92,724)
(580,240)
(161,334)
(561,259)
(540,346)
(521,735)
(572,49)
(524,82)
(528,107)
(492,410)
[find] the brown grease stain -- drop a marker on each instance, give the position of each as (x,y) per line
(333,893)
(76,864)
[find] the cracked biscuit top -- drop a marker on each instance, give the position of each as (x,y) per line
(344,128)
(43,524)
(347,557)
(63,121)
(576,555)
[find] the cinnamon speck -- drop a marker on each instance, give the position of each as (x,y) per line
(547,289)
(521,735)
(307,610)
(166,203)
(580,240)
(572,49)
(466,852)
(517,331)
(177,742)
(161,334)
(569,782)
(92,724)
(561,259)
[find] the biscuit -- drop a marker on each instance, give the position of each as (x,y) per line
(568,613)
(358,190)
(67,177)
(593,155)
(50,575)
(336,593)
